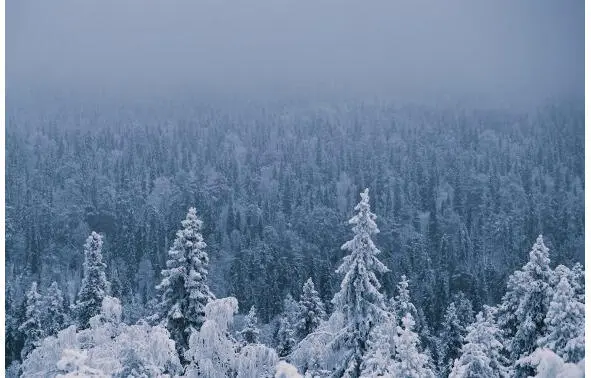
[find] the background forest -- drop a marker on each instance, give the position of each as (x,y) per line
(460,197)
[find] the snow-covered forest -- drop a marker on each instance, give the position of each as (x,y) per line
(289,238)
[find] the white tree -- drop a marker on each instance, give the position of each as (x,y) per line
(184,288)
(311,310)
(481,352)
(285,336)
(379,358)
(212,349)
(108,348)
(32,326)
(450,339)
(409,362)
(548,364)
(256,360)
(566,324)
(359,298)
(94,285)
(250,332)
(525,304)
(54,317)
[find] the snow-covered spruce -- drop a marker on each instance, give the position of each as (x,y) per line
(359,298)
(32,327)
(184,289)
(250,332)
(311,310)
(94,285)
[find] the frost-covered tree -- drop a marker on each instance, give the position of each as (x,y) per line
(450,339)
(94,286)
(524,306)
(108,348)
(250,332)
(481,352)
(54,316)
(409,362)
(184,288)
(381,348)
(286,337)
(565,323)
(32,326)
(402,302)
(359,298)
(311,310)
(547,364)
(212,349)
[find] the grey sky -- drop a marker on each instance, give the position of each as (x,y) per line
(514,51)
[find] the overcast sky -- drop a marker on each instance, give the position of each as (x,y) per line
(511,51)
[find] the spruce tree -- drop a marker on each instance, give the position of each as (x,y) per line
(32,327)
(359,298)
(250,332)
(54,317)
(311,310)
(409,361)
(524,306)
(286,333)
(94,285)
(450,339)
(566,324)
(184,288)
(381,348)
(481,353)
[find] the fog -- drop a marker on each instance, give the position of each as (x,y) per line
(514,52)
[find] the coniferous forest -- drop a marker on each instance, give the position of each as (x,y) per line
(348,238)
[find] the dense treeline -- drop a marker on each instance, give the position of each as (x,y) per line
(460,196)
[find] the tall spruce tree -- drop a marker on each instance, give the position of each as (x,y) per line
(94,285)
(359,298)
(524,306)
(409,361)
(311,310)
(184,288)
(566,324)
(54,316)
(32,327)
(450,339)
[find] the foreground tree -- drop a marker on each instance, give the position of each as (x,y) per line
(566,324)
(184,288)
(451,339)
(409,361)
(525,304)
(54,318)
(94,287)
(250,332)
(359,298)
(481,352)
(32,326)
(311,310)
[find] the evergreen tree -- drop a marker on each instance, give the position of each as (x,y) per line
(450,339)
(250,332)
(409,362)
(285,336)
(359,298)
(94,285)
(311,310)
(184,288)
(54,317)
(525,304)
(286,333)
(566,324)
(481,352)
(402,302)
(32,326)
(381,348)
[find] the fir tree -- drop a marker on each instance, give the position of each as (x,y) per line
(359,298)
(32,326)
(286,333)
(566,324)
(381,348)
(409,362)
(451,339)
(481,352)
(94,285)
(311,310)
(54,317)
(184,288)
(250,332)
(524,306)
